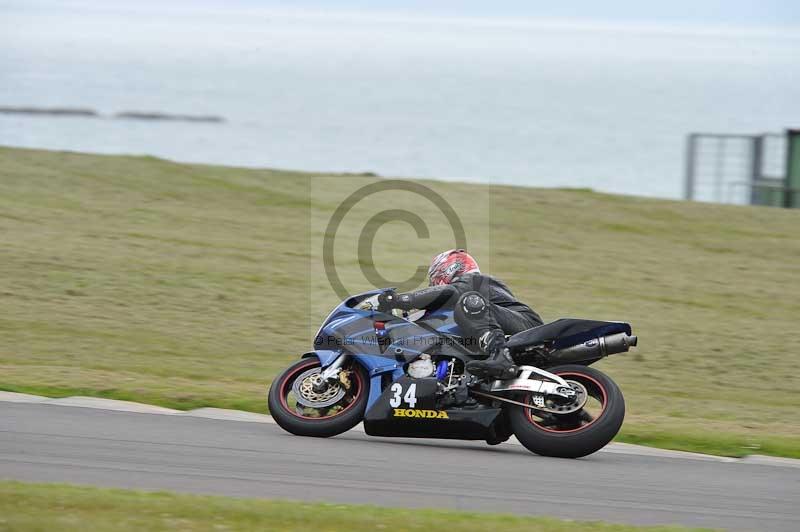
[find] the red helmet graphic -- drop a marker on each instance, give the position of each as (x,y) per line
(446,266)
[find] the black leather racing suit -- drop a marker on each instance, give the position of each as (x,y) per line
(484,308)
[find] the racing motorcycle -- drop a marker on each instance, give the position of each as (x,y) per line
(404,374)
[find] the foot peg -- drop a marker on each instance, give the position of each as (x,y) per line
(509,373)
(492,368)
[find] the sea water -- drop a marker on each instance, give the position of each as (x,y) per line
(524,101)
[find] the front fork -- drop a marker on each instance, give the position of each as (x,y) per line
(376,368)
(330,374)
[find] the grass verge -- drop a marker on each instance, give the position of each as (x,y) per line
(30,507)
(189,285)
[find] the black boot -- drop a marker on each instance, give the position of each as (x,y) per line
(498,366)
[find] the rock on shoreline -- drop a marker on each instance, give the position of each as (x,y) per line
(144,115)
(124,115)
(51,111)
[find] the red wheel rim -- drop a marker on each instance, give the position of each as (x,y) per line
(581,376)
(286,387)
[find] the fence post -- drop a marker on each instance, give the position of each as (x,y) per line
(756,164)
(691,153)
(792,180)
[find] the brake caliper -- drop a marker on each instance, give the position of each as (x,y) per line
(344,379)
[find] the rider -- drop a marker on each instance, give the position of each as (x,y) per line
(484,308)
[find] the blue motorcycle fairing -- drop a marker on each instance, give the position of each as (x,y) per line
(351,330)
(354,330)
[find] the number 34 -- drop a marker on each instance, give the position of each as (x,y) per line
(410,398)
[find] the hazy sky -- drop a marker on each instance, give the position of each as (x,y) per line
(713,12)
(710,11)
(699,12)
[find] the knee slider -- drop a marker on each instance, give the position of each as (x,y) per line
(473,304)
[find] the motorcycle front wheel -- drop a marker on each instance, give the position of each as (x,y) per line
(578,433)
(299,409)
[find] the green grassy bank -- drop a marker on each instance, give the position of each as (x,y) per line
(29,507)
(189,285)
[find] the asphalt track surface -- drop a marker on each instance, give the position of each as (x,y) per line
(45,442)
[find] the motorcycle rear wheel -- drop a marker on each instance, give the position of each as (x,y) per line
(324,422)
(572,435)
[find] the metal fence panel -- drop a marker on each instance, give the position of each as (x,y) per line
(740,169)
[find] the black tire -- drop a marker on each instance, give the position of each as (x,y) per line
(324,427)
(569,436)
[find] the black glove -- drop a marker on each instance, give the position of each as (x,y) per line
(386,301)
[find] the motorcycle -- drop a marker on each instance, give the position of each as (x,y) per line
(404,375)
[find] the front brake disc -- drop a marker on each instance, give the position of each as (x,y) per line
(303,389)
